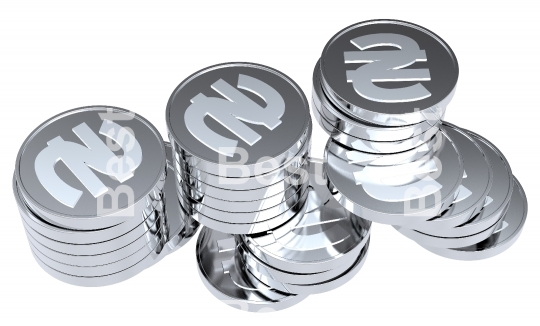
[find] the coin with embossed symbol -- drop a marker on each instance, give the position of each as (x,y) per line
(389,72)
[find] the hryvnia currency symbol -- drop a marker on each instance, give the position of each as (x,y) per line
(387,66)
(81,159)
(231,111)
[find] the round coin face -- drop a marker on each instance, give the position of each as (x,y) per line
(225,278)
(390,72)
(237,112)
(91,167)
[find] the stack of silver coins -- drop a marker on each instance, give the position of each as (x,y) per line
(89,184)
(241,137)
(380,90)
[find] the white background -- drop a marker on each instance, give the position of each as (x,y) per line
(58,55)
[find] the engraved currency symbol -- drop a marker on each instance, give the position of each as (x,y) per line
(231,111)
(387,66)
(81,159)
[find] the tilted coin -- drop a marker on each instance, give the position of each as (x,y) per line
(226,280)
(474,188)
(237,119)
(506,234)
(389,72)
(328,285)
(70,171)
(496,202)
(379,188)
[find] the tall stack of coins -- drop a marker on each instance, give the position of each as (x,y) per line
(380,90)
(241,136)
(89,185)
(241,133)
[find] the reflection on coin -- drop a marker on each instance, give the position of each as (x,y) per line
(381,189)
(227,281)
(238,119)
(503,237)
(389,72)
(91,168)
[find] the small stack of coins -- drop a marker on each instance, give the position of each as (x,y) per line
(93,229)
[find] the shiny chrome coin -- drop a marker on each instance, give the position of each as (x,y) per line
(389,72)
(71,166)
(301,245)
(475,186)
(227,281)
(237,119)
(399,189)
(362,135)
(505,235)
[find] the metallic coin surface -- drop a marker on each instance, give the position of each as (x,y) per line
(381,189)
(301,245)
(496,201)
(252,223)
(338,122)
(316,288)
(389,72)
(506,234)
(69,168)
(132,227)
(198,180)
(180,227)
(237,112)
(474,188)
(226,280)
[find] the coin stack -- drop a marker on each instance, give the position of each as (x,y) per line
(274,270)
(241,136)
(93,229)
(380,90)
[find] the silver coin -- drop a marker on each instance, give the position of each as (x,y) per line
(389,72)
(197,189)
(276,174)
(316,288)
(256,266)
(90,260)
(216,253)
(104,280)
(264,206)
(246,189)
(132,243)
(441,242)
(177,229)
(495,203)
(255,226)
(255,115)
(133,226)
(84,140)
(301,245)
(474,188)
(99,270)
(506,234)
(346,130)
(381,189)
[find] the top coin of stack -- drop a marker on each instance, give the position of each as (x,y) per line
(241,136)
(367,98)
